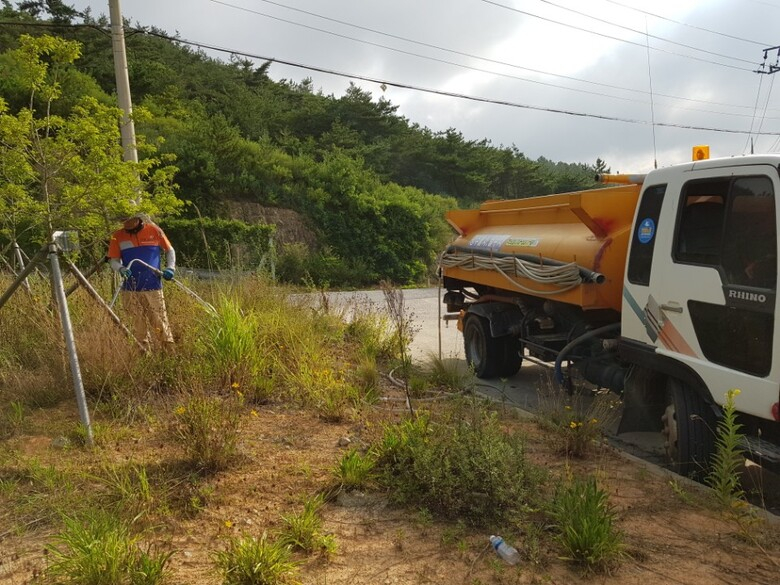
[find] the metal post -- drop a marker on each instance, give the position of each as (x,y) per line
(122,81)
(24,274)
(70,342)
(20,263)
(82,279)
(87,274)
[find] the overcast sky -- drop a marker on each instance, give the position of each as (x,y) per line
(586,57)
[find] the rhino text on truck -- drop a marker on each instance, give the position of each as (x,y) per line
(661,289)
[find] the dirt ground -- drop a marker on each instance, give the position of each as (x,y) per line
(672,533)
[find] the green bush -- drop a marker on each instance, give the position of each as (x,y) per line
(462,467)
(219,243)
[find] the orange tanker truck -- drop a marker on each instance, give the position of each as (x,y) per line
(662,288)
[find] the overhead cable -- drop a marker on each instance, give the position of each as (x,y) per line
(645,33)
(583,29)
(472,56)
(693,26)
(437,91)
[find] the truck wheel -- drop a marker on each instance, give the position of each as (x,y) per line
(688,430)
(483,352)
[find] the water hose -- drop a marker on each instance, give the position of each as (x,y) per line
(575,342)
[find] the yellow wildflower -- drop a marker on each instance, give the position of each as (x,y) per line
(228,524)
(180,410)
(235,385)
(593,421)
(573,425)
(253,412)
(567,407)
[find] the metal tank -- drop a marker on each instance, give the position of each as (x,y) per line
(569,247)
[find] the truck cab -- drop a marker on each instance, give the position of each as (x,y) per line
(700,302)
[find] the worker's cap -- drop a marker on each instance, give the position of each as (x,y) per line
(132,221)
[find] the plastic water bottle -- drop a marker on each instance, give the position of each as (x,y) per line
(505,551)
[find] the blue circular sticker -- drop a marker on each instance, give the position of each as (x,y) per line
(646,230)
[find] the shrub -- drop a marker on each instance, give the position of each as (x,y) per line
(463,466)
(251,561)
(585,522)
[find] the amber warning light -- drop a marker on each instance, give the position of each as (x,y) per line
(701,152)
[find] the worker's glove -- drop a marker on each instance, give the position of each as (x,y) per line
(168,274)
(124,272)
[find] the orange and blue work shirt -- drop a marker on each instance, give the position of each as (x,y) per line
(145,245)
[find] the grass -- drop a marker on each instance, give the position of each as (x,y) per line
(174,449)
(574,423)
(207,428)
(586,526)
(255,561)
(355,471)
(100,550)
(304,531)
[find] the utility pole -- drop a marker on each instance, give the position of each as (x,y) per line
(122,81)
(773,68)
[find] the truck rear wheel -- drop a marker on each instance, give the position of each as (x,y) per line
(489,356)
(688,430)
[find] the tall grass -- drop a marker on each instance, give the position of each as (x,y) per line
(586,525)
(100,550)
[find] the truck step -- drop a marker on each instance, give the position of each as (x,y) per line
(545,346)
(762,452)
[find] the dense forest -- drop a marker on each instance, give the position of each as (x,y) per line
(365,188)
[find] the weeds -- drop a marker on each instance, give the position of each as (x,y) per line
(207,427)
(723,477)
(585,522)
(304,530)
(574,423)
(100,550)
(251,561)
(355,471)
(463,466)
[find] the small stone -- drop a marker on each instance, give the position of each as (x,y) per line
(248,521)
(345,442)
(187,554)
(60,443)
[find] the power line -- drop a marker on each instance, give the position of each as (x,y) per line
(439,92)
(645,33)
(400,85)
(614,38)
(701,28)
(470,55)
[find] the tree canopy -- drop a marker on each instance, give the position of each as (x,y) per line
(372,185)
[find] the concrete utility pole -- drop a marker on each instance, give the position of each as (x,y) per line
(122,81)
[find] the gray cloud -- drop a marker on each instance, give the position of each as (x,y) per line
(484,29)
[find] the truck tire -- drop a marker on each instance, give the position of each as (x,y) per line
(688,430)
(489,356)
(483,352)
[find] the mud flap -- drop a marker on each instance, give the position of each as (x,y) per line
(642,401)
